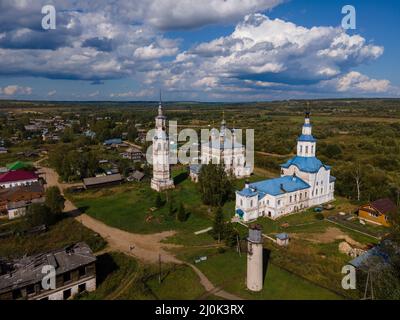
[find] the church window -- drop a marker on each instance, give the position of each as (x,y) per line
(290,199)
(279,202)
(317,183)
(301,149)
(305,194)
(316,192)
(267,202)
(306,149)
(295,197)
(241,202)
(322,191)
(301,196)
(312,149)
(251,203)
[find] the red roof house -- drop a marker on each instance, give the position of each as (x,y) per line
(16,178)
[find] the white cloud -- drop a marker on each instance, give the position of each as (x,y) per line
(171,14)
(16,89)
(265,54)
(94,94)
(357,82)
(134,94)
(52,93)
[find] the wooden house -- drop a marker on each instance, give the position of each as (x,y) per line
(377,212)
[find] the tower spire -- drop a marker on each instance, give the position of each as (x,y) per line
(160,108)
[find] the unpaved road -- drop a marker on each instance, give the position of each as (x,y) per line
(147,248)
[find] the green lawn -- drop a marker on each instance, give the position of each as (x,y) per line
(228,270)
(128,207)
(123,278)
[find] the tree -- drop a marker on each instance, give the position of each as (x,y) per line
(159,203)
(54,200)
(357,176)
(182,216)
(219,224)
(230,235)
(132,133)
(332,151)
(215,186)
(171,209)
(68,135)
(39,214)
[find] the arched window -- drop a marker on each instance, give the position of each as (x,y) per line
(306,149)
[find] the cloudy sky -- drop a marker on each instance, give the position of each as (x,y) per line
(211,50)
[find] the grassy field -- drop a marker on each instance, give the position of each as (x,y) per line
(127,207)
(228,270)
(123,278)
(65,232)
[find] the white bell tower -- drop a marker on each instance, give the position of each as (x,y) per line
(161,168)
(306,143)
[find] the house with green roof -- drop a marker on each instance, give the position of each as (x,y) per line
(18,165)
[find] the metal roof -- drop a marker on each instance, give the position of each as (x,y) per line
(306,164)
(28,270)
(278,186)
(103,179)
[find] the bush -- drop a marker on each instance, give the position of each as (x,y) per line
(39,214)
(182,215)
(319,216)
(159,203)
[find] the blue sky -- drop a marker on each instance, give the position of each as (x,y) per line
(206,51)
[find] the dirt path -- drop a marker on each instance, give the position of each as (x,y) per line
(210,288)
(147,248)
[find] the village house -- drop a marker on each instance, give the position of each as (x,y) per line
(377,212)
(102,181)
(20,198)
(113,142)
(3,150)
(133,154)
(17,178)
(18,209)
(75,268)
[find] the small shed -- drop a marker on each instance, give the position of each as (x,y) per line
(136,176)
(282,239)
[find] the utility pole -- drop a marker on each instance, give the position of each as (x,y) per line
(369,281)
(238,245)
(159,264)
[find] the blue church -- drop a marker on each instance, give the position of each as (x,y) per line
(305,182)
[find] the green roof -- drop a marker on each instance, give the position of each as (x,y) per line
(18,165)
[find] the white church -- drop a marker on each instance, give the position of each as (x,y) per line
(225,149)
(161,168)
(305,182)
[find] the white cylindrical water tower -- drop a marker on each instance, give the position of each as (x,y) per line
(255,259)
